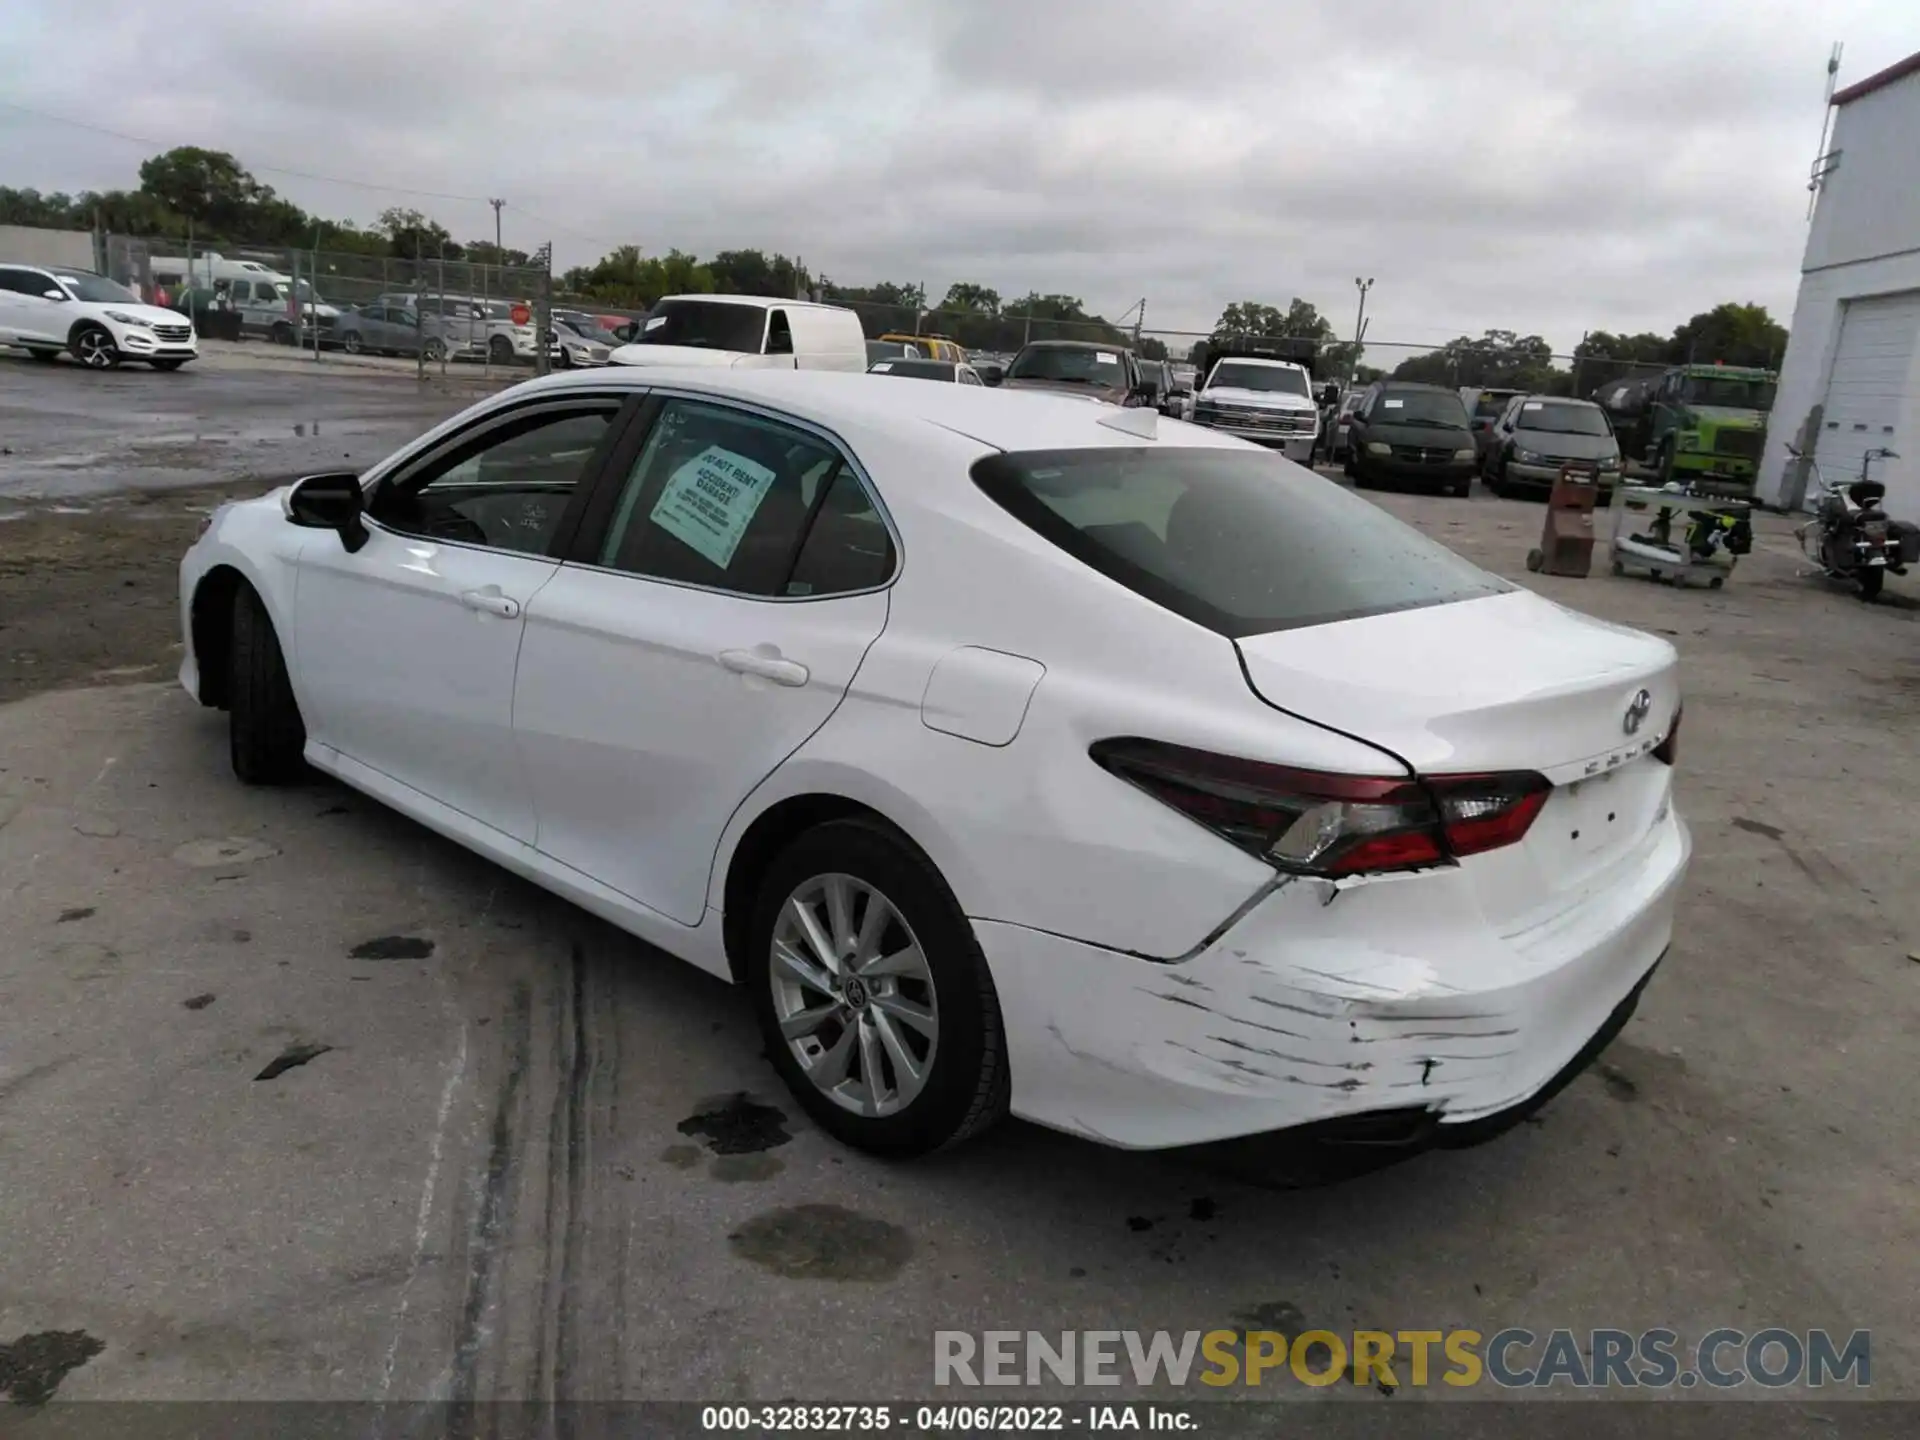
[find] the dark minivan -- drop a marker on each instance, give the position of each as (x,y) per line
(1416,435)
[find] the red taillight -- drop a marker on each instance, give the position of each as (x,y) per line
(1668,750)
(1316,823)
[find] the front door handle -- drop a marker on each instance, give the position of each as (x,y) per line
(767,667)
(491,602)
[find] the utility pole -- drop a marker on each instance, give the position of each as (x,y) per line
(1139,319)
(1359,324)
(496,204)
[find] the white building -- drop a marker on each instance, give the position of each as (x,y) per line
(1855,343)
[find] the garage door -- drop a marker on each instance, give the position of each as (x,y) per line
(1870,387)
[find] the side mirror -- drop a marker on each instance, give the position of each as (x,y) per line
(54,294)
(991,374)
(333,501)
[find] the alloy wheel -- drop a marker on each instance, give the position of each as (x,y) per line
(853,995)
(96,349)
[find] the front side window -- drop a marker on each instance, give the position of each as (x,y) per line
(507,489)
(728,500)
(1240,543)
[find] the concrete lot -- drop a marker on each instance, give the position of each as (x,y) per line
(523,1156)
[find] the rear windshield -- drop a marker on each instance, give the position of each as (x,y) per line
(705,325)
(1419,407)
(1561,419)
(1240,542)
(1491,405)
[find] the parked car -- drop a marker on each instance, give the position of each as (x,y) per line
(500,332)
(952,371)
(994,874)
(47,309)
(1265,398)
(381,329)
(1538,434)
(937,347)
(1411,435)
(1079,367)
(1159,375)
(878,350)
(749,332)
(1484,408)
(1336,440)
(580,346)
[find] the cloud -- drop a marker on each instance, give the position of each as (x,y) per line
(1542,169)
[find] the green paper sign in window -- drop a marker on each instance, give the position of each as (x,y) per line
(709,502)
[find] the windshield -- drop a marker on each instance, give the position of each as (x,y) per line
(97,289)
(1274,379)
(1350,402)
(1734,394)
(704,325)
(1241,543)
(1561,419)
(1091,366)
(1419,407)
(1491,404)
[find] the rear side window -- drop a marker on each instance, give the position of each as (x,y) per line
(1239,542)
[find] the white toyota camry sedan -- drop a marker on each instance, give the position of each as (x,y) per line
(1015,754)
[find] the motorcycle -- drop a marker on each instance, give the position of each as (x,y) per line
(1850,537)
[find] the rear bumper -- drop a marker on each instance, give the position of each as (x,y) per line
(1543,476)
(1396,997)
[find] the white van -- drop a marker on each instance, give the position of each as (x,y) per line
(262,295)
(205,268)
(746,332)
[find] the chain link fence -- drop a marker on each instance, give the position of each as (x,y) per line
(436,311)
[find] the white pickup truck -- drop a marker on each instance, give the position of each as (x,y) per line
(1260,398)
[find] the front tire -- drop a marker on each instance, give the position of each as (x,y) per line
(875,1002)
(93,347)
(266,737)
(352,343)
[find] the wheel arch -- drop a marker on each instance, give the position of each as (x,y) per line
(211,613)
(741,865)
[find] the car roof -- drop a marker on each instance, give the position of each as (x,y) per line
(1072,345)
(1557,400)
(845,401)
(1416,385)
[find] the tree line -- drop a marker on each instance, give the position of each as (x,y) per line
(210,196)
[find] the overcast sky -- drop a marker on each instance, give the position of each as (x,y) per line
(1546,167)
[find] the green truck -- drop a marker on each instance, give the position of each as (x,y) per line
(1703,425)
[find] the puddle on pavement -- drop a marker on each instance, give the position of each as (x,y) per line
(736,1125)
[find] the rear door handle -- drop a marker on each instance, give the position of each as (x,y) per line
(491,602)
(767,667)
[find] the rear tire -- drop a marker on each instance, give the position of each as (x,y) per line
(500,350)
(1870,583)
(964,1088)
(266,737)
(352,343)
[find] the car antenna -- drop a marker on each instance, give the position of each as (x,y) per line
(1136,420)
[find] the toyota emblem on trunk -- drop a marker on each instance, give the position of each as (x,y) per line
(1636,714)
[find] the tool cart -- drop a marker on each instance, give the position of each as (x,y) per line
(1678,534)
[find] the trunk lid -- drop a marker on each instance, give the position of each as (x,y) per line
(1504,682)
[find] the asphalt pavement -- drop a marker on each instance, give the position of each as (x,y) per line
(298,1101)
